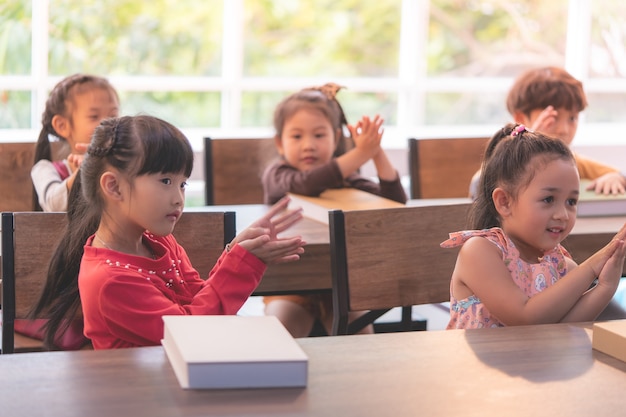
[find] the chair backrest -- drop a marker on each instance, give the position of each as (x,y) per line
(233,169)
(443,168)
(386,258)
(29,239)
(16,161)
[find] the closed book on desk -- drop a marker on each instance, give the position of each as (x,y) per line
(233,352)
(610,337)
(346,199)
(592,204)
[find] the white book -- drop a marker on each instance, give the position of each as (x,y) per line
(592,204)
(233,352)
(610,337)
(346,199)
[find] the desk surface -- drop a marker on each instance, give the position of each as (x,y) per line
(545,370)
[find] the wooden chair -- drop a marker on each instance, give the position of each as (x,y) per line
(29,239)
(16,161)
(386,258)
(443,168)
(233,169)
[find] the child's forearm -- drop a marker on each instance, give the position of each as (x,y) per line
(558,301)
(384,168)
(590,305)
(352,160)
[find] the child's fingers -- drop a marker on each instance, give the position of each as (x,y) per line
(251,232)
(545,119)
(287,220)
(621,234)
(276,250)
(352,129)
(612,269)
(279,206)
(251,244)
(81,147)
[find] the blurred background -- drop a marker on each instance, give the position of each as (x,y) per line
(218,67)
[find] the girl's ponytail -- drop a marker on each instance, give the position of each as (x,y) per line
(59,300)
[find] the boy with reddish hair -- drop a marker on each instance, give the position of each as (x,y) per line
(549,100)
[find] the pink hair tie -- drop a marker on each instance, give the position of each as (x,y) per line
(518,130)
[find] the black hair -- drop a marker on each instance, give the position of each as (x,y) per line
(134,145)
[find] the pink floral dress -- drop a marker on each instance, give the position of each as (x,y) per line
(470,313)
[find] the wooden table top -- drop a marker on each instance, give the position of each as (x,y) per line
(545,370)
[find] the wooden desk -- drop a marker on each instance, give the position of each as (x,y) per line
(545,370)
(312,272)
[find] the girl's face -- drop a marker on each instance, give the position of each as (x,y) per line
(88,108)
(308,140)
(544,212)
(154,202)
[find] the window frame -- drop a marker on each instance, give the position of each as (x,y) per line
(410,85)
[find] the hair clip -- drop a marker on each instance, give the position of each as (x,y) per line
(330,90)
(519,129)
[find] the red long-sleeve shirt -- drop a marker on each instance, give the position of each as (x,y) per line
(124,297)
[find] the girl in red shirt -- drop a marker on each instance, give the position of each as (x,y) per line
(128,198)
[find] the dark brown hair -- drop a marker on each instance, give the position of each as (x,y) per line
(323,100)
(547,86)
(507,164)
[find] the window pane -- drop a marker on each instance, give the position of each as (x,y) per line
(451,109)
(258,108)
(608,39)
(605,107)
(321,38)
(357,105)
(182,109)
(15,109)
(129,37)
(494,37)
(15,37)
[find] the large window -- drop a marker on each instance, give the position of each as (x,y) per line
(218,67)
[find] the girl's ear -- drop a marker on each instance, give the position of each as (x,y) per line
(111,186)
(61,125)
(279,145)
(502,201)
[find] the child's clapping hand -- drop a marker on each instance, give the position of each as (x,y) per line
(367,134)
(75,159)
(261,237)
(608,262)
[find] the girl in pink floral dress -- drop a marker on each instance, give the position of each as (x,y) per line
(512,269)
